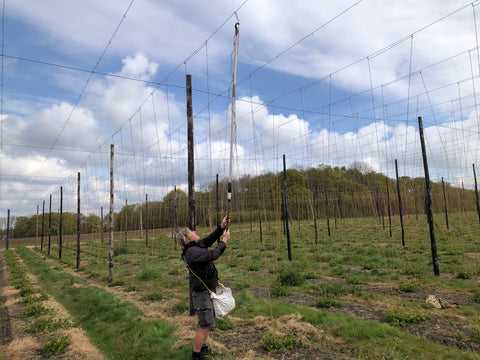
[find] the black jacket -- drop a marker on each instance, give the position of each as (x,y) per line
(200,259)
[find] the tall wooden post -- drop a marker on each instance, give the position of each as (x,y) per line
(327,213)
(476,192)
(217,202)
(60,224)
(289,248)
(191,167)
(7,240)
(43,222)
(78,222)
(314,212)
(146,219)
(36,230)
(400,203)
(141,222)
(175,212)
(49,224)
(126,220)
(260,214)
(428,201)
(101,224)
(110,239)
(191,164)
(445,204)
(389,209)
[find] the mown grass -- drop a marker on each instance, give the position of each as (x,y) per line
(359,251)
(116,327)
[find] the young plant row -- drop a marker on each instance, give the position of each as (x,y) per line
(41,319)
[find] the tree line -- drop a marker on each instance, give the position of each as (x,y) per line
(335,192)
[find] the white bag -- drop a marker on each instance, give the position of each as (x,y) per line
(223,301)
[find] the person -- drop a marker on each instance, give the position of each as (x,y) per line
(199,258)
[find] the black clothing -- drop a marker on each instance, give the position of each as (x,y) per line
(200,259)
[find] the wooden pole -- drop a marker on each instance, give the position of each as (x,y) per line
(400,203)
(78,222)
(126,220)
(191,161)
(389,209)
(314,212)
(101,224)
(175,213)
(43,222)
(217,200)
(146,219)
(428,201)
(327,213)
(60,225)
(49,224)
(191,170)
(233,122)
(141,222)
(36,230)
(298,212)
(476,192)
(445,204)
(8,230)
(260,214)
(289,248)
(110,241)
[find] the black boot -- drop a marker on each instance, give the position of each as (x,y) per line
(197,355)
(204,351)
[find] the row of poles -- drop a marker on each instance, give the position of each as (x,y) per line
(428,205)
(191,183)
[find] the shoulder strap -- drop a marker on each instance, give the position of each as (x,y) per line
(198,277)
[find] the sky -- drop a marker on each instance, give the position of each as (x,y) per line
(331,82)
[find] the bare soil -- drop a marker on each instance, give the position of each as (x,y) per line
(18,344)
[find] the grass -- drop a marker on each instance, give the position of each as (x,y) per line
(358,252)
(369,338)
(116,327)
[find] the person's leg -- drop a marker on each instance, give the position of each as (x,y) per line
(200,339)
(203,305)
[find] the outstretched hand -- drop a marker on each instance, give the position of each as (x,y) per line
(226,236)
(225,222)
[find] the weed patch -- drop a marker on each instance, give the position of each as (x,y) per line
(48,324)
(273,343)
(56,346)
(400,317)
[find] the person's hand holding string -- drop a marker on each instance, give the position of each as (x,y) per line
(226,236)
(225,222)
(224,225)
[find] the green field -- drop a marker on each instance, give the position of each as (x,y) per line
(357,293)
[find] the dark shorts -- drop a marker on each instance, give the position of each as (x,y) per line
(203,305)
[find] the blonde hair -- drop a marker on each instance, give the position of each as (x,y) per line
(183,239)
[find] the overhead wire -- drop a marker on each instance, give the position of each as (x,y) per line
(276,106)
(79,97)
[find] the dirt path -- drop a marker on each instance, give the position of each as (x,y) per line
(5,323)
(18,344)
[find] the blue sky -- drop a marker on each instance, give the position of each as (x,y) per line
(324,82)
